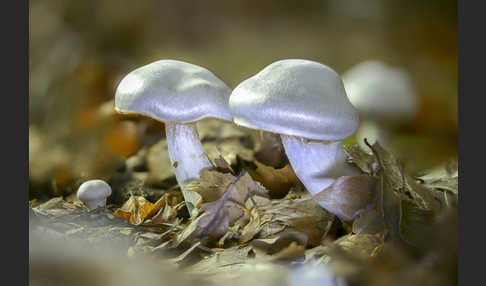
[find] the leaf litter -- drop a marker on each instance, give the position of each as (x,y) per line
(254,223)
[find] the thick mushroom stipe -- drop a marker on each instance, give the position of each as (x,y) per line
(187,156)
(317,164)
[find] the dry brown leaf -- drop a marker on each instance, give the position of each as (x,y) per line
(254,226)
(211,186)
(219,215)
(185,254)
(167,214)
(369,222)
(362,245)
(277,181)
(363,160)
(401,184)
(281,241)
(348,196)
(302,215)
(231,232)
(227,209)
(395,187)
(444,177)
(292,251)
(189,232)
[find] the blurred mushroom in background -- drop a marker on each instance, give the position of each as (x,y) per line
(384,97)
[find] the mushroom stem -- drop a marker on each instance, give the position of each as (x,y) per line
(373,132)
(316,163)
(93,204)
(188,158)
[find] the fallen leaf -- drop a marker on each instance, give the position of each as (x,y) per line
(277,181)
(227,209)
(280,241)
(190,231)
(400,183)
(444,177)
(211,185)
(361,245)
(348,196)
(394,188)
(300,215)
(185,254)
(292,251)
(369,222)
(222,213)
(254,226)
(136,209)
(415,223)
(363,160)
(167,214)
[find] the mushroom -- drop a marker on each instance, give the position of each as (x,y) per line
(178,94)
(383,95)
(93,193)
(305,102)
(314,275)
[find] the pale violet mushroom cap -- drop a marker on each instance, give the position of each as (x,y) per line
(295,97)
(380,92)
(93,193)
(173,91)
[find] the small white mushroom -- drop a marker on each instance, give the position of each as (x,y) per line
(94,193)
(178,94)
(314,275)
(383,95)
(305,102)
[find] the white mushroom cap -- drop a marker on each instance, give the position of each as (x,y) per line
(380,92)
(93,193)
(173,91)
(295,97)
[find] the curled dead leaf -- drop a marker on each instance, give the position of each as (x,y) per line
(277,181)
(349,196)
(222,213)
(363,160)
(136,209)
(300,215)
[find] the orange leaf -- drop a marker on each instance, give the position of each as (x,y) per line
(122,214)
(136,209)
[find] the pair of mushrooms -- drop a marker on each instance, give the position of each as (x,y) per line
(303,101)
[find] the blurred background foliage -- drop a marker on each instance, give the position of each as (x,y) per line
(80,50)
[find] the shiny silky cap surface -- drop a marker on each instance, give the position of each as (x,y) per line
(295,97)
(173,91)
